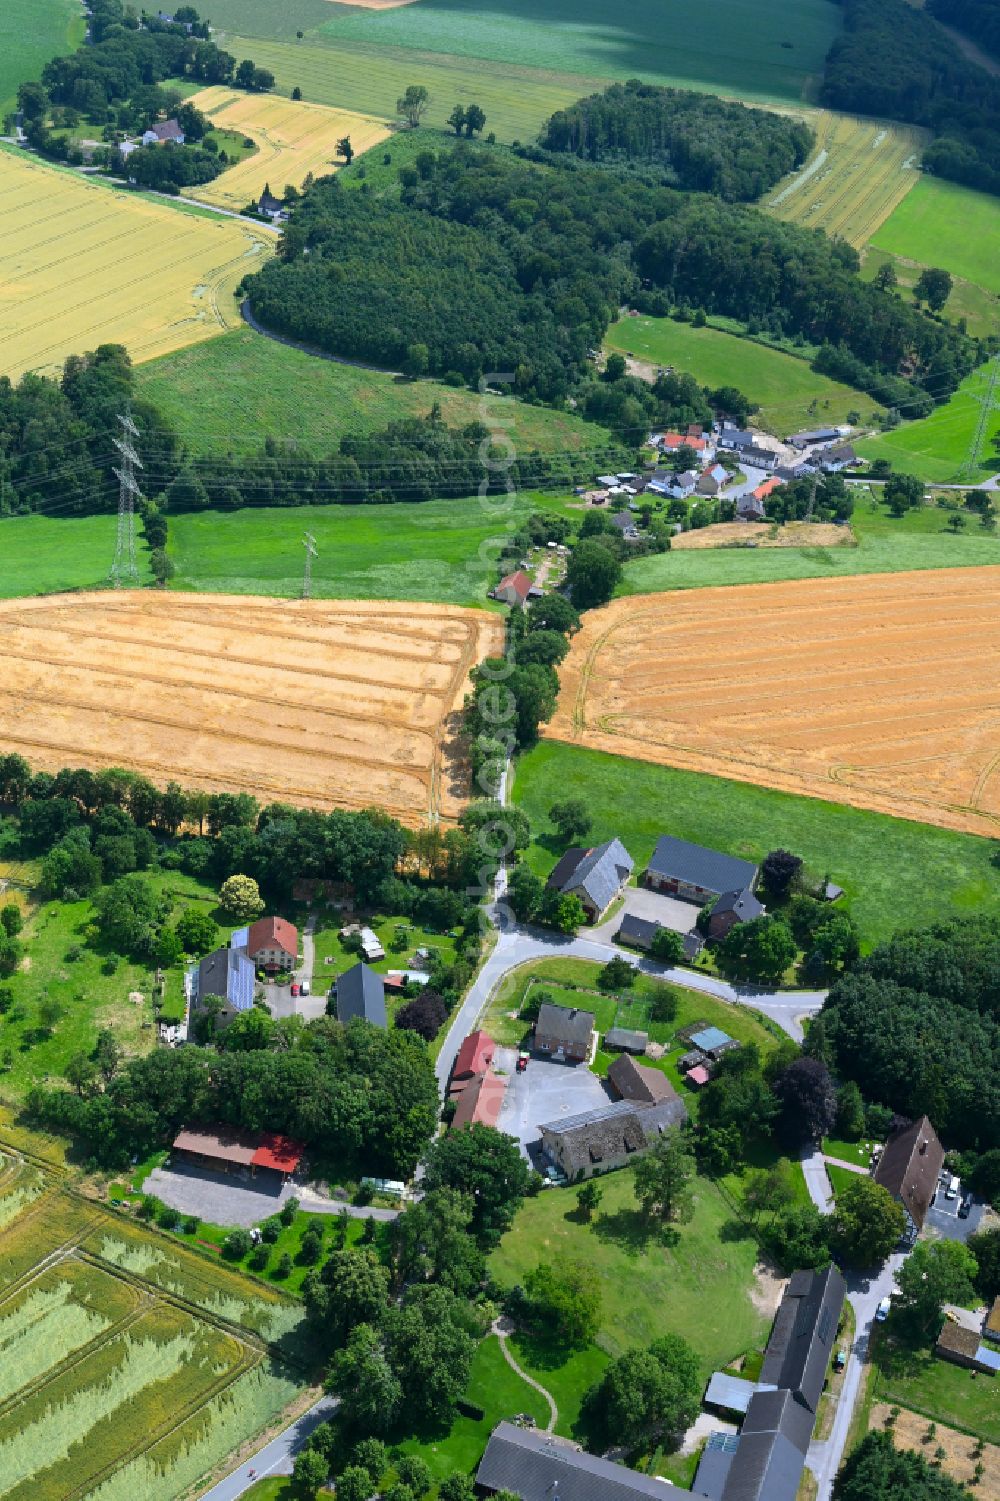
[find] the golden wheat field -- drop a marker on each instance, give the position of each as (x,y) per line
(307,702)
(292,139)
(859,172)
(82,265)
(878,690)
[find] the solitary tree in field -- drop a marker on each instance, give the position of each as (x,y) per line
(885,277)
(475,119)
(345,149)
(413,104)
(933,287)
(663,1177)
(572,818)
(956,522)
(902,492)
(457,119)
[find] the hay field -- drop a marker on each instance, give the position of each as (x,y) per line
(312,703)
(859,173)
(292,140)
(82,265)
(876,691)
(114,1385)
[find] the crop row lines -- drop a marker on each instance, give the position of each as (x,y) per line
(75,1357)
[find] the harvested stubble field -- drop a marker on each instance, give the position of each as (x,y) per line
(308,702)
(739,534)
(858,174)
(110,1371)
(82,264)
(875,691)
(292,140)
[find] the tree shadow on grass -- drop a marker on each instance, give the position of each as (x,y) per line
(736,1230)
(633,1231)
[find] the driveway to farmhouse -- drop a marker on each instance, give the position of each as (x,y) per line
(546,1092)
(668,911)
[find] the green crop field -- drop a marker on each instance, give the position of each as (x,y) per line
(880,862)
(206,392)
(935,447)
(884,545)
(108,1388)
(431,551)
(979,308)
(788,392)
(45,554)
(943,224)
(756,48)
(32,31)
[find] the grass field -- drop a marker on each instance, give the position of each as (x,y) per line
(753,49)
(858,174)
(699,1287)
(31,32)
(109,1389)
(943,224)
(979,308)
(937,446)
(292,139)
(937,1390)
(365,692)
(204,393)
(84,265)
(871,690)
(43,554)
(788,392)
(880,862)
(918,540)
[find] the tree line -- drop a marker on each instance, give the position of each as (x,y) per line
(892,59)
(688,140)
(979,19)
(495,265)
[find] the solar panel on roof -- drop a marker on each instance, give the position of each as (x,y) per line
(241,981)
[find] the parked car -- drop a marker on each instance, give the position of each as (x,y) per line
(965,1208)
(305,988)
(951,1192)
(882,1311)
(839,1361)
(295,987)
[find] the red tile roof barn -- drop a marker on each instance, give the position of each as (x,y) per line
(242,1148)
(479,1104)
(520,582)
(278,1152)
(474,1056)
(273,933)
(767,487)
(683,440)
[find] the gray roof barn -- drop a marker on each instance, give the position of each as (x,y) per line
(361,993)
(697,866)
(229,974)
(909,1168)
(805,1328)
(640,1083)
(540,1467)
(564,1025)
(626,1040)
(597,874)
(610,1132)
(637,931)
(743,904)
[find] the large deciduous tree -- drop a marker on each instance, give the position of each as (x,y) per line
(867,1223)
(486,1165)
(663,1177)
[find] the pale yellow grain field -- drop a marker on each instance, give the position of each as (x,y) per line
(293,139)
(82,265)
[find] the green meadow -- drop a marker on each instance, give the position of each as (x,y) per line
(788,392)
(206,391)
(937,446)
(880,862)
(968,300)
(46,554)
(943,224)
(31,32)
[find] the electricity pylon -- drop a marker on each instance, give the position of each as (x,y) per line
(988,400)
(123,569)
(309,543)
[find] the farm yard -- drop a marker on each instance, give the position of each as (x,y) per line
(866,691)
(788,392)
(312,704)
(292,140)
(83,265)
(132,1366)
(860,171)
(204,392)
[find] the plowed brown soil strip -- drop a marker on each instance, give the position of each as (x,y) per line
(882,691)
(347,704)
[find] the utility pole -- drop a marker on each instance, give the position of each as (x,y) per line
(309,543)
(123,569)
(988,401)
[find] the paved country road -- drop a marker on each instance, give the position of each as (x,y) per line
(276,1457)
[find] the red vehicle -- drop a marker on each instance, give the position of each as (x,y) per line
(522,1062)
(295,987)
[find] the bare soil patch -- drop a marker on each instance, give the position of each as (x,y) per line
(320,704)
(755,534)
(960,1459)
(877,690)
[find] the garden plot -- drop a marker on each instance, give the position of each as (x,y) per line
(874,691)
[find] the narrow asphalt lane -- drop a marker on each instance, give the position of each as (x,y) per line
(276,1457)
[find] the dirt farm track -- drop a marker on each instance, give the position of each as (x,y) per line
(320,704)
(882,691)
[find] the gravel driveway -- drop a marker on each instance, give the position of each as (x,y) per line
(545,1092)
(221,1198)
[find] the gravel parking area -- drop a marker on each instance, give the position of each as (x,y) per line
(668,911)
(544,1092)
(221,1198)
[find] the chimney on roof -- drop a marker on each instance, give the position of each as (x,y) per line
(923,1147)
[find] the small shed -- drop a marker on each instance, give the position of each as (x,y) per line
(698,1076)
(691,1060)
(712,1040)
(622,1040)
(732,1393)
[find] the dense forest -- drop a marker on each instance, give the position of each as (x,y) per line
(979,19)
(893,60)
(917,1026)
(488,264)
(691,140)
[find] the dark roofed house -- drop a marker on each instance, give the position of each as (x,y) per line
(610,1136)
(563,1032)
(733,907)
(623,522)
(270,207)
(162,133)
(840,456)
(803,1334)
(814,435)
(694,873)
(541,1467)
(640,1083)
(909,1168)
(637,932)
(623,1040)
(597,876)
(361,993)
(227,973)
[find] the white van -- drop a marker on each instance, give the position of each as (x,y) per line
(304,988)
(951,1192)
